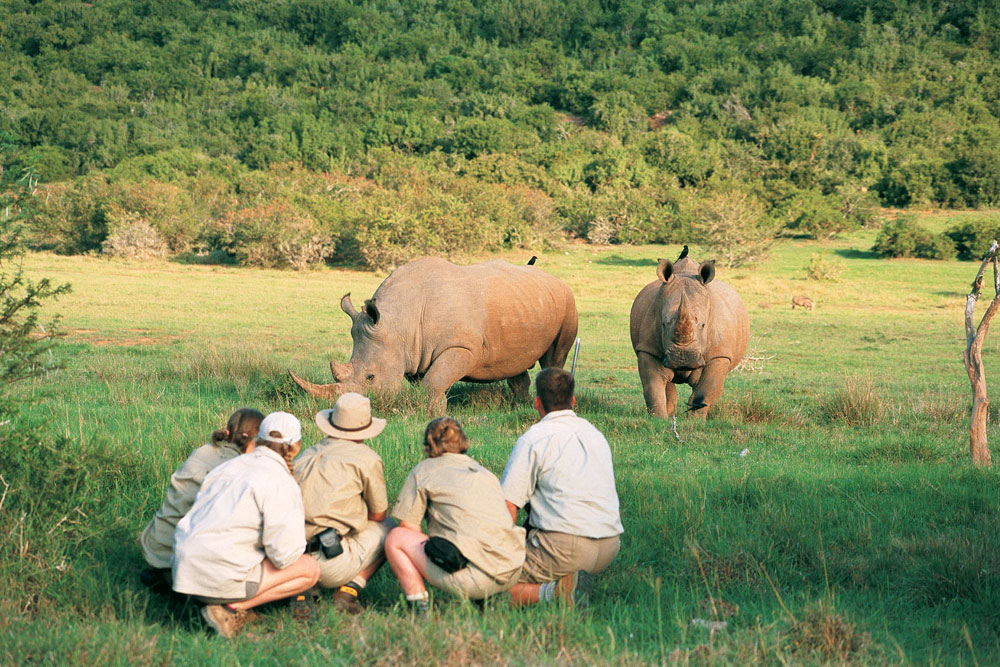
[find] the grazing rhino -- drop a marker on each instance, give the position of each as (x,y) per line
(687,328)
(436,323)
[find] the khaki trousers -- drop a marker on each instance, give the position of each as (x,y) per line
(551,555)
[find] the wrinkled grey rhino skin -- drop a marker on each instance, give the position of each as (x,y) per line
(687,327)
(437,323)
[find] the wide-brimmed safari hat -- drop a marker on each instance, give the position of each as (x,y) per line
(350,418)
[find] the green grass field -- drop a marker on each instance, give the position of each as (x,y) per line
(855,529)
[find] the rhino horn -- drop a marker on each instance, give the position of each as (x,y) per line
(664,269)
(347,306)
(341,372)
(684,331)
(327,391)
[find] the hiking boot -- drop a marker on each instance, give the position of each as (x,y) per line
(227,622)
(575,588)
(303,607)
(345,600)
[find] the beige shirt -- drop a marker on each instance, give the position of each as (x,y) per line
(562,465)
(342,483)
(463,503)
(158,538)
(248,508)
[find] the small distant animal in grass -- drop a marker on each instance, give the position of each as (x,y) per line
(802,302)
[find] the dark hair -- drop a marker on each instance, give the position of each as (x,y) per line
(444,435)
(241,429)
(554,387)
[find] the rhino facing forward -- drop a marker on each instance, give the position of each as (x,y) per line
(437,323)
(687,327)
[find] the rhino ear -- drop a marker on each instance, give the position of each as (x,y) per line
(372,311)
(664,269)
(707,271)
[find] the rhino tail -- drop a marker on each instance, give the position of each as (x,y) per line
(326,391)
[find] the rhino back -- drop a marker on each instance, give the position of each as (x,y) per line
(505,315)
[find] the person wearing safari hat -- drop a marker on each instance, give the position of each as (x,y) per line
(343,490)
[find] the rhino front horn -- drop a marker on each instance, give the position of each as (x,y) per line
(327,391)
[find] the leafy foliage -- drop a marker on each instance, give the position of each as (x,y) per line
(822,110)
(973,237)
(905,238)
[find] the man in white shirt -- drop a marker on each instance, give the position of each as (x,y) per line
(562,467)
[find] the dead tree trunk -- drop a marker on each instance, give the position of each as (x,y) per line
(974,338)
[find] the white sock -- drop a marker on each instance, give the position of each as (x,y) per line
(547,591)
(422,595)
(359,581)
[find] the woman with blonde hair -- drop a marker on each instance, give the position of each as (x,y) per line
(227,443)
(472,547)
(243,542)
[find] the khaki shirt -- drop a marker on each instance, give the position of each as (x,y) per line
(562,465)
(463,503)
(248,508)
(158,538)
(342,483)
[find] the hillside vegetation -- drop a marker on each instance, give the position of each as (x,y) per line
(292,133)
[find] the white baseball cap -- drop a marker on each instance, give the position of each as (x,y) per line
(285,424)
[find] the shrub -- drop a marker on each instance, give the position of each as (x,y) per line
(972,238)
(130,235)
(276,234)
(905,238)
(814,214)
(732,225)
(824,268)
(677,153)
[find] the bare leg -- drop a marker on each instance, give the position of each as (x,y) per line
(709,387)
(451,366)
(404,549)
(278,584)
(656,385)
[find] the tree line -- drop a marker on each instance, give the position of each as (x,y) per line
(329,126)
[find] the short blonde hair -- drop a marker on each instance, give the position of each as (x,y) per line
(445,435)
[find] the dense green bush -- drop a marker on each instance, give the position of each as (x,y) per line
(903,237)
(973,237)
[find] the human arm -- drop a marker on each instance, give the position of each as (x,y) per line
(283,533)
(519,475)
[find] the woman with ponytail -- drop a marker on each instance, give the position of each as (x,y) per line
(158,538)
(243,541)
(472,547)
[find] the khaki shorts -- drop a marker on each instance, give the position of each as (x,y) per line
(252,586)
(469,582)
(361,550)
(550,555)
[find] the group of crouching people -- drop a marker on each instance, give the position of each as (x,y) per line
(248,520)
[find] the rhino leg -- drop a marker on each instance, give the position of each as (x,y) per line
(448,368)
(520,385)
(657,389)
(708,387)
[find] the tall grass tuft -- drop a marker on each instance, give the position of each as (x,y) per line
(820,632)
(858,403)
